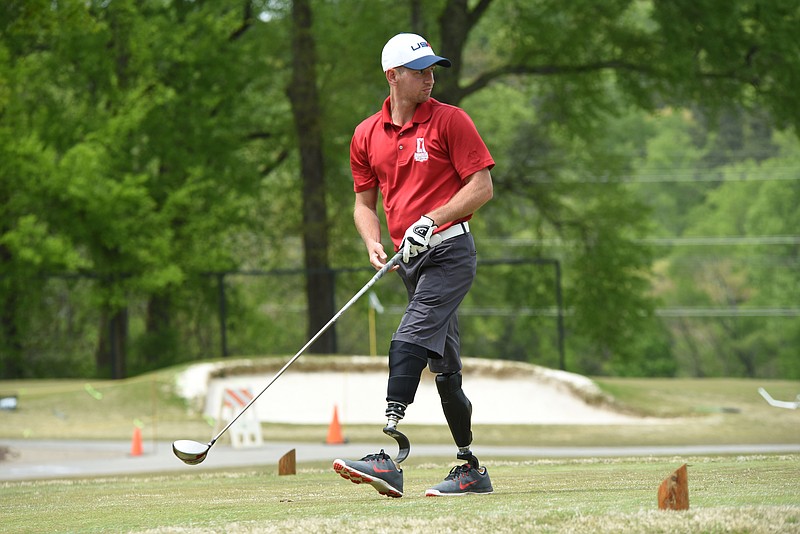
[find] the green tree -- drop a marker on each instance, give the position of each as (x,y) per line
(161,143)
(752,281)
(148,111)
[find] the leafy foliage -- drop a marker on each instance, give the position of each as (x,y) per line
(148,149)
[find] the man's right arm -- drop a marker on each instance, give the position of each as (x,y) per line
(365,215)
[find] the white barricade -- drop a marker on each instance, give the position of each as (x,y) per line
(246,431)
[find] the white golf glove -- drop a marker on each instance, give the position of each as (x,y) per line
(417,238)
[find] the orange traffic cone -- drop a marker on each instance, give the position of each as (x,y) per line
(335,430)
(136,442)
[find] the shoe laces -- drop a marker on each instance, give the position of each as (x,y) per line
(375,457)
(458,471)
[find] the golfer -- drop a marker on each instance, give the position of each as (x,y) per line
(431,168)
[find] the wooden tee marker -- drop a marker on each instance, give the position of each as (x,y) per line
(673,493)
(287,465)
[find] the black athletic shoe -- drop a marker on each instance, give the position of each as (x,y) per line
(379,470)
(462,480)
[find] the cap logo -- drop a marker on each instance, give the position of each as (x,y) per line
(409,49)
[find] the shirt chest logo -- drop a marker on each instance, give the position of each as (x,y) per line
(421,154)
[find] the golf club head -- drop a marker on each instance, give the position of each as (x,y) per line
(404,446)
(190,452)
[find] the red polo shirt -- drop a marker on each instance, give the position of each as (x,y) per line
(420,166)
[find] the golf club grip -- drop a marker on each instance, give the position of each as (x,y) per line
(389,264)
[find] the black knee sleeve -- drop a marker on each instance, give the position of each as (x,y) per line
(457,408)
(406,363)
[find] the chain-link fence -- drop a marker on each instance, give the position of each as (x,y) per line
(514,311)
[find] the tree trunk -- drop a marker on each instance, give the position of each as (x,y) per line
(455,24)
(111,355)
(157,324)
(10,343)
(119,338)
(304,100)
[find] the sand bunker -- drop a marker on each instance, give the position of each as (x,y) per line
(501,393)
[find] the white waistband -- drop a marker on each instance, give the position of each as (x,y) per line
(454,231)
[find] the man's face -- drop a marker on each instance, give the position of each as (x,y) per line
(415,85)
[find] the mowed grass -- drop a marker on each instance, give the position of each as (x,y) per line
(750,494)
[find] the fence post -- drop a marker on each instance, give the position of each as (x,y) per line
(560,310)
(223,314)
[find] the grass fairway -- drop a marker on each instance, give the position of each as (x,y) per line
(740,494)
(727,494)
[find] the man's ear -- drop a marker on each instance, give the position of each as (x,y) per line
(391,76)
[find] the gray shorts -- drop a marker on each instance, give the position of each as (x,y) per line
(437,280)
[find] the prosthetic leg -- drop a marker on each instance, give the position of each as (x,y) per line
(458,412)
(403,445)
(406,363)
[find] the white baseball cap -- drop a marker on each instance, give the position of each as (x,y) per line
(411,51)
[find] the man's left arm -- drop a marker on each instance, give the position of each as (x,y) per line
(477,191)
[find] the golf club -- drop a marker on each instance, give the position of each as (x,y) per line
(193,452)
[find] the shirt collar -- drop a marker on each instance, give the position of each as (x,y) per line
(421,114)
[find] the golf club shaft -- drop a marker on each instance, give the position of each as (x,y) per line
(389,264)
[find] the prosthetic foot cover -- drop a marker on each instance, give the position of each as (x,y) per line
(457,408)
